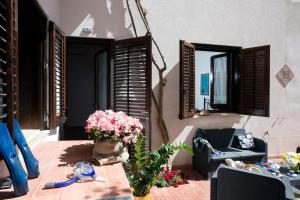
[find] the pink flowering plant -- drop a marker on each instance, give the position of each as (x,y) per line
(115,126)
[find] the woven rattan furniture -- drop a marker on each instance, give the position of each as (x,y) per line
(225,141)
(236,184)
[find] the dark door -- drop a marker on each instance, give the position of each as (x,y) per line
(88,78)
(32,32)
(220,85)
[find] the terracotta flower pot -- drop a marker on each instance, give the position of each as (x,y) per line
(109,152)
(108,147)
(147,197)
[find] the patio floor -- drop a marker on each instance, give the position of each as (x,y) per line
(57,160)
(196,189)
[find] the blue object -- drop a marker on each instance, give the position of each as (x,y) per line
(204,84)
(32,164)
(82,171)
(11,159)
(61,184)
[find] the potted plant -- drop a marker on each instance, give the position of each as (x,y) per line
(142,170)
(112,132)
(170,177)
(292,160)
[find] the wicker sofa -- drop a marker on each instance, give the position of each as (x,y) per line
(225,141)
(236,184)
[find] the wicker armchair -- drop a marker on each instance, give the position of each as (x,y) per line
(224,140)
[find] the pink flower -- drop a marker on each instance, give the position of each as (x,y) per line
(117,124)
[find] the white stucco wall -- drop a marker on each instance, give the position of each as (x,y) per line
(52,9)
(106,18)
(230,22)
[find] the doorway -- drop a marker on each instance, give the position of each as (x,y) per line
(88,82)
(32,38)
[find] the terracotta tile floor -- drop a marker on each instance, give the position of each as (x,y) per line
(57,160)
(196,189)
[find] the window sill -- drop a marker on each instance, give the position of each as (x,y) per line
(216,114)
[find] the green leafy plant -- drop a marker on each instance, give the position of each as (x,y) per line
(142,170)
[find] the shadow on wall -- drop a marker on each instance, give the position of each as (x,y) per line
(95,18)
(184,130)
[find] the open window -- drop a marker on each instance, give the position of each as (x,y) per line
(224,79)
(57,76)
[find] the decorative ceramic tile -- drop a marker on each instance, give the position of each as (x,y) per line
(285,75)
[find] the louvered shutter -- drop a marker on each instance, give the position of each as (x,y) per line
(187,80)
(57,76)
(14,60)
(132,79)
(4,20)
(8,61)
(254,81)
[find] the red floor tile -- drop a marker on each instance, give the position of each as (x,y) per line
(57,160)
(196,189)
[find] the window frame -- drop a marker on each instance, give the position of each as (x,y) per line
(221,107)
(233,89)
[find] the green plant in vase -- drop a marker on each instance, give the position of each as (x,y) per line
(142,170)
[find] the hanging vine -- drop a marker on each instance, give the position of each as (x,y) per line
(161,69)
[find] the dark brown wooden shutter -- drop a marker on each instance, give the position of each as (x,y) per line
(14,61)
(4,20)
(187,80)
(132,80)
(132,76)
(8,61)
(255,81)
(57,76)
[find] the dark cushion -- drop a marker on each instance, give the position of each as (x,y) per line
(219,138)
(224,155)
(248,153)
